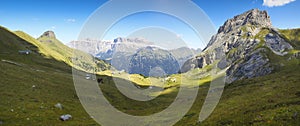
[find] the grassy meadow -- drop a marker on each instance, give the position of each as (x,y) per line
(32,84)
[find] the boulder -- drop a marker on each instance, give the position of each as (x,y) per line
(65,117)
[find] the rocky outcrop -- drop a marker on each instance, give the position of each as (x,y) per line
(254,65)
(277,44)
(49,34)
(192,64)
(133,40)
(105,49)
(253,17)
(240,46)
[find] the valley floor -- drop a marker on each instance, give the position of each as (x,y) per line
(29,92)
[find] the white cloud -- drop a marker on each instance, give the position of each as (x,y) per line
(71,20)
(53,27)
(179,35)
(274,3)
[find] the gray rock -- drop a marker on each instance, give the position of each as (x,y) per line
(223,64)
(252,17)
(65,117)
(106,49)
(49,34)
(277,44)
(192,64)
(59,106)
(254,65)
(235,47)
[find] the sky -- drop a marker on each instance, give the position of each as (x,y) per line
(67,17)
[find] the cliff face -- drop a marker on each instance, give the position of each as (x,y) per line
(48,37)
(105,49)
(252,17)
(242,46)
(124,54)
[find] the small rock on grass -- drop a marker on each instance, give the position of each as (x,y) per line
(65,117)
(58,105)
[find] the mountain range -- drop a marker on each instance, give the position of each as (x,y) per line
(261,64)
(121,54)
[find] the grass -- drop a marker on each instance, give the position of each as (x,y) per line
(21,104)
(293,36)
(269,100)
(53,48)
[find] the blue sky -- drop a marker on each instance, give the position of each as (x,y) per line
(66,17)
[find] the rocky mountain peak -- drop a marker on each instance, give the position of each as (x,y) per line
(49,34)
(252,17)
(120,39)
(243,47)
(132,40)
(244,25)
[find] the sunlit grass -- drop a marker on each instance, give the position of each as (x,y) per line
(268,100)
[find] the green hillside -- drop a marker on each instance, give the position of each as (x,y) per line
(32,84)
(20,103)
(293,36)
(53,48)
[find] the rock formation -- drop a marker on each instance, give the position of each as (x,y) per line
(49,34)
(242,46)
(120,51)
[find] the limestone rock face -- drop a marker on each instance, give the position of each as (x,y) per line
(240,47)
(192,64)
(106,49)
(277,44)
(121,53)
(49,34)
(254,65)
(252,17)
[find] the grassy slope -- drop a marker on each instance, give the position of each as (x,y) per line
(20,104)
(61,52)
(272,99)
(269,100)
(293,36)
